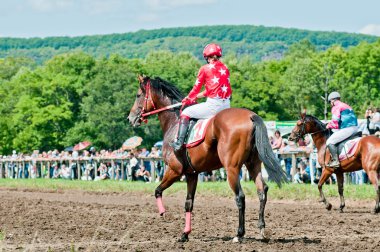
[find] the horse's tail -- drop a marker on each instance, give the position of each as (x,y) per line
(265,151)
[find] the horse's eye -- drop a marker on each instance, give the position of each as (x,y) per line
(138,95)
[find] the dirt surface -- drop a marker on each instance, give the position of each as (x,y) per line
(84,221)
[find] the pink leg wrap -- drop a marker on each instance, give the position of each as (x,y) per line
(160,206)
(187,229)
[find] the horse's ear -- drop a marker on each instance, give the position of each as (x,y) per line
(303,114)
(140,78)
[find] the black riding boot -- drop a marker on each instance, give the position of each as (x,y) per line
(182,130)
(334,162)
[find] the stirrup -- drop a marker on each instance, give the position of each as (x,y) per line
(176,145)
(333,164)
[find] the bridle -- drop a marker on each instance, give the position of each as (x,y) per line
(143,115)
(301,133)
(147,99)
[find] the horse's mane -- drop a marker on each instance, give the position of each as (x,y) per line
(167,89)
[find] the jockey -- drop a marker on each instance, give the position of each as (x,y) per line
(216,79)
(344,122)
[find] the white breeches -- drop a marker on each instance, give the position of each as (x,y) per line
(341,134)
(206,109)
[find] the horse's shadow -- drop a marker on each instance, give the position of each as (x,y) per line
(304,240)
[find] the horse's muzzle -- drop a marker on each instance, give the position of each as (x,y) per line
(134,120)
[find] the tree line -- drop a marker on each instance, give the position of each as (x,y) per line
(255,42)
(75,96)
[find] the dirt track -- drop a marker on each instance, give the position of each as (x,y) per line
(37,221)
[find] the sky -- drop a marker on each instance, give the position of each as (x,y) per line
(45,18)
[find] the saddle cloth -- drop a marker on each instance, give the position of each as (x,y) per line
(197,132)
(349,148)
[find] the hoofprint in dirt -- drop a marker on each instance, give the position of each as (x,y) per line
(90,221)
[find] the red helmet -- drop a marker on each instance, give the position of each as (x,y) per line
(211,50)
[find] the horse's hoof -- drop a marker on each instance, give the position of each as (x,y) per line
(341,210)
(184,238)
(236,239)
(376,210)
(265,234)
(328,206)
(162,214)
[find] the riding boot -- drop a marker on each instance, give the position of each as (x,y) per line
(334,162)
(182,130)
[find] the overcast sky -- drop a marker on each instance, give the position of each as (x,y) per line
(43,18)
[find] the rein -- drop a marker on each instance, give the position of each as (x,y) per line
(161,109)
(148,97)
(302,132)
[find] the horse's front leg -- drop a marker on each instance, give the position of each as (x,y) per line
(191,180)
(169,178)
(325,175)
(340,180)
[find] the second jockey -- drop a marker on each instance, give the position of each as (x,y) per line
(216,79)
(344,124)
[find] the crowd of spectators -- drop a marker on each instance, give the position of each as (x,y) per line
(87,164)
(372,124)
(139,164)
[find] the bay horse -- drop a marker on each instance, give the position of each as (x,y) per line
(367,157)
(234,137)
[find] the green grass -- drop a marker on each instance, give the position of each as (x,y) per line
(287,191)
(2,235)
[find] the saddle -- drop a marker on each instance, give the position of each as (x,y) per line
(196,132)
(347,147)
(342,144)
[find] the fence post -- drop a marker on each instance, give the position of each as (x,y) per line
(311,164)
(113,169)
(122,169)
(294,165)
(78,169)
(153,171)
(1,170)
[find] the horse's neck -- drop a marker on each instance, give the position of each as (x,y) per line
(319,140)
(167,118)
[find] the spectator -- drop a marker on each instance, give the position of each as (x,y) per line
(277,140)
(305,170)
(297,177)
(288,161)
(55,171)
(132,167)
(65,172)
(102,172)
(277,144)
(156,164)
(144,153)
(376,120)
(143,175)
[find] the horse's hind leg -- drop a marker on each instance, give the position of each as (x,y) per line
(325,175)
(340,180)
(169,178)
(233,180)
(254,169)
(372,176)
(191,180)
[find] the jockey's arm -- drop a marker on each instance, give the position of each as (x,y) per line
(201,94)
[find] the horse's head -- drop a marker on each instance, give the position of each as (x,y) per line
(143,103)
(307,124)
